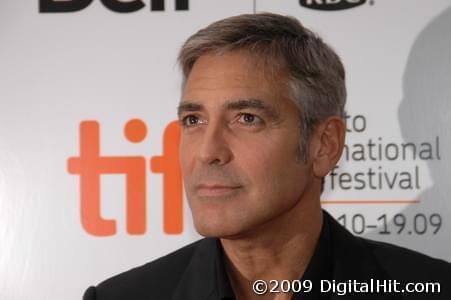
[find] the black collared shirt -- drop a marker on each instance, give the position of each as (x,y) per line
(319,267)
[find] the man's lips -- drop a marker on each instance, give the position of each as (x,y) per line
(216,189)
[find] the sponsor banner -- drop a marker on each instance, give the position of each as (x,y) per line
(331,4)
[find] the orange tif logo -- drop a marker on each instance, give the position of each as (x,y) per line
(90,165)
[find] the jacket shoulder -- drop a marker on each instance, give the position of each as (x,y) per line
(153,279)
(403,263)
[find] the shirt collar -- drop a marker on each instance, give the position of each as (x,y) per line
(225,291)
(320,265)
(199,281)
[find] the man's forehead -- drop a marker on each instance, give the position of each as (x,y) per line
(240,67)
(232,81)
(219,72)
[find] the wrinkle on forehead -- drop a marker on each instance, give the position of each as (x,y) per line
(236,70)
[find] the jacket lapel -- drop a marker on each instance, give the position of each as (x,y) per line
(199,279)
(354,261)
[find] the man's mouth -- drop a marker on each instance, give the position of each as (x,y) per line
(214,189)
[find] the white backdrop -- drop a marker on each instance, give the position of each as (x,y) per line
(59,69)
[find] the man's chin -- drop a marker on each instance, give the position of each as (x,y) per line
(222,230)
(211,231)
(216,230)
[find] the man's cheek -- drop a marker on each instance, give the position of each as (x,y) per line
(252,155)
(187,155)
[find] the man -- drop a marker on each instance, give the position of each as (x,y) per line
(262,124)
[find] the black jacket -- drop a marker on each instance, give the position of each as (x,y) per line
(194,271)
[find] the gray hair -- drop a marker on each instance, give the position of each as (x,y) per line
(316,77)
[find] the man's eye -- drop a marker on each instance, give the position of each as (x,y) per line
(190,121)
(249,119)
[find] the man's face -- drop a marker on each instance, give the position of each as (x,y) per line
(239,146)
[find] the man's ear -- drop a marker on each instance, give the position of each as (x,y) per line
(327,144)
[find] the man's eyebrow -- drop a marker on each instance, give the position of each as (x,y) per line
(257,104)
(188,106)
(252,104)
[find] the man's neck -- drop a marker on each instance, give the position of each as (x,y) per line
(278,250)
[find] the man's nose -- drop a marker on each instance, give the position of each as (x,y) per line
(214,146)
